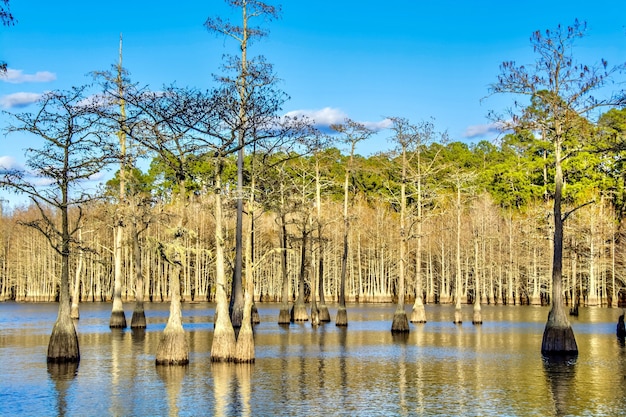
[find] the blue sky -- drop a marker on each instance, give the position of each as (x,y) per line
(342,58)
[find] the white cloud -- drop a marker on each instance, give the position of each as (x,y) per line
(377,126)
(322,118)
(17,100)
(14,76)
(9,163)
(475,131)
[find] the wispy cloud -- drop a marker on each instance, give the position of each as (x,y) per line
(324,118)
(18,100)
(378,126)
(14,76)
(476,131)
(8,163)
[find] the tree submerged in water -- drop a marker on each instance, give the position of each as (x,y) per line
(561,96)
(75,147)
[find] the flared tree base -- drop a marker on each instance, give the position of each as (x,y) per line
(400,323)
(244,350)
(324,314)
(418,315)
(478,318)
(256,318)
(458,317)
(315,316)
(342,317)
(138,320)
(224,344)
(558,340)
(118,320)
(299,312)
(63,344)
(74,312)
(173,348)
(284,316)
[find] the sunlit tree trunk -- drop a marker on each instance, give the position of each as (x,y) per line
(558,336)
(400,322)
(173,348)
(75,312)
(118,319)
(63,344)
(138,320)
(224,342)
(324,315)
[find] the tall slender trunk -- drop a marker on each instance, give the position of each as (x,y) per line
(418,315)
(173,348)
(400,322)
(342,314)
(558,336)
(324,315)
(477,318)
(63,344)
(458,317)
(75,312)
(138,320)
(224,342)
(118,319)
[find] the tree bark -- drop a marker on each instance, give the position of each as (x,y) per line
(224,342)
(63,344)
(558,336)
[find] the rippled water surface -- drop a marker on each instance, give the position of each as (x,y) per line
(438,369)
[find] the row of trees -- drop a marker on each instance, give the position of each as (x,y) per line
(431,220)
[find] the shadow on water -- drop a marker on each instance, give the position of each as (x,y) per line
(62,374)
(560,372)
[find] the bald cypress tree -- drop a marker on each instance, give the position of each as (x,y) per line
(75,146)
(561,91)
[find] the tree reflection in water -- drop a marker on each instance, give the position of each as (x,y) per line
(62,374)
(560,371)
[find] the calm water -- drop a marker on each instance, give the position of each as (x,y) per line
(439,369)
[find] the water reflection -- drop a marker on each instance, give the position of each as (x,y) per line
(232,389)
(560,374)
(437,369)
(62,374)
(172,377)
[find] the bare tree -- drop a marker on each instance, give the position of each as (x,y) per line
(563,91)
(245,82)
(118,318)
(352,133)
(75,147)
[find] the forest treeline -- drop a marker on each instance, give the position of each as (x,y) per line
(501,191)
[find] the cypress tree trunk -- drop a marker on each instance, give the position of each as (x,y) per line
(74,311)
(63,344)
(284,316)
(138,320)
(323,313)
(558,336)
(224,342)
(299,308)
(400,322)
(118,319)
(173,348)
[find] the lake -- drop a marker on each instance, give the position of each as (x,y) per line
(440,368)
